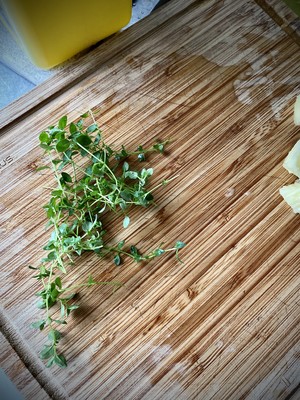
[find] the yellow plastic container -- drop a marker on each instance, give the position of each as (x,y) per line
(51,31)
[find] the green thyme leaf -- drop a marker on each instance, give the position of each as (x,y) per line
(62,123)
(117,259)
(47,352)
(62,145)
(126,222)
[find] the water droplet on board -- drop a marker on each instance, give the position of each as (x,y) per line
(229,192)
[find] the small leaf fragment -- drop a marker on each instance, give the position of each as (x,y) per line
(84,140)
(42,168)
(58,282)
(39,324)
(179,245)
(92,128)
(91,281)
(126,222)
(44,137)
(72,127)
(131,174)
(62,123)
(66,177)
(159,252)
(62,145)
(125,166)
(60,360)
(54,335)
(87,226)
(121,244)
(62,309)
(47,352)
(117,260)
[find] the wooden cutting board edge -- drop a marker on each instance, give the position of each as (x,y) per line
(33,364)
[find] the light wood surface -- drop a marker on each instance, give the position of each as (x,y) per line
(220,79)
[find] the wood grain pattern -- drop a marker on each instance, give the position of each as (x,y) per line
(219,78)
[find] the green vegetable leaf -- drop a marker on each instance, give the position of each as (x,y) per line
(126,222)
(39,324)
(84,140)
(141,157)
(66,177)
(52,256)
(159,252)
(125,194)
(62,309)
(41,304)
(92,128)
(71,308)
(84,115)
(46,147)
(50,362)
(62,145)
(160,147)
(44,137)
(117,259)
(87,226)
(149,197)
(125,166)
(179,245)
(54,335)
(131,174)
(72,128)
(47,352)
(60,360)
(121,244)
(150,171)
(60,321)
(62,123)
(42,168)
(136,254)
(58,282)
(91,281)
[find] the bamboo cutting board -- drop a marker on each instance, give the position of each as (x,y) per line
(220,79)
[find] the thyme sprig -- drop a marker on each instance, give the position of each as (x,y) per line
(91,178)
